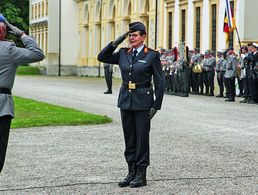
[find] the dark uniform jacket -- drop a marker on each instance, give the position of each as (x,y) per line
(145,66)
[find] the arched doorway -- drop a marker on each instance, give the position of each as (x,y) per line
(85,37)
(127,10)
(97,29)
(111,21)
(145,17)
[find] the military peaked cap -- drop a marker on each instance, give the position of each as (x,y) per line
(197,49)
(207,52)
(137,26)
(255,45)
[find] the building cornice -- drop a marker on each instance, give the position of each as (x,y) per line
(170,3)
(183,2)
(197,1)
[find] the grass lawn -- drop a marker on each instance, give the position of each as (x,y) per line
(27,70)
(30,113)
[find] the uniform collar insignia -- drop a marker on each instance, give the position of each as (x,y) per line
(146,50)
(129,50)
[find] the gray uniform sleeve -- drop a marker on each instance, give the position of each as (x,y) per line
(31,53)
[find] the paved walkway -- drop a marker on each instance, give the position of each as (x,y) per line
(199,145)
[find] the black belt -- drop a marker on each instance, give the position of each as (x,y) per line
(6,91)
(135,85)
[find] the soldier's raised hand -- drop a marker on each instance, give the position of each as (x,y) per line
(14,30)
(119,40)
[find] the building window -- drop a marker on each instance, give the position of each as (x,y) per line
(183,22)
(197,27)
(213,27)
(32,12)
(36,11)
(39,38)
(39,10)
(43,9)
(46,41)
(231,34)
(46,7)
(170,30)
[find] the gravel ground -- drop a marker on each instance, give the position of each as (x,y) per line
(199,145)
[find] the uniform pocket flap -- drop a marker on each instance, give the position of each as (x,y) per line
(147,91)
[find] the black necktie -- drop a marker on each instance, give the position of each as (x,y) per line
(134,54)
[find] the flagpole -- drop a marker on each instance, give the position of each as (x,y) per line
(239,42)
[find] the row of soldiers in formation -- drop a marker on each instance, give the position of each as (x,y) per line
(195,73)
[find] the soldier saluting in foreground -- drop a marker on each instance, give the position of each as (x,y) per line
(10,57)
(139,65)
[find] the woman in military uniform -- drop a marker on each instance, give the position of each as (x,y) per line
(139,65)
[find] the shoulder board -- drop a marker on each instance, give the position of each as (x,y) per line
(9,40)
(149,49)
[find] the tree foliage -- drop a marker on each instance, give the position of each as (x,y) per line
(16,12)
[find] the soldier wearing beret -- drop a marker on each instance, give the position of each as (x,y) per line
(243,71)
(230,75)
(220,70)
(209,64)
(254,72)
(197,77)
(10,57)
(138,65)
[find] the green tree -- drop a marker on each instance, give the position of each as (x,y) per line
(17,13)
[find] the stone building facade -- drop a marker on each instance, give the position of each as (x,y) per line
(72,32)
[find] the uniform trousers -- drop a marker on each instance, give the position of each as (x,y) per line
(108,76)
(220,79)
(194,82)
(199,82)
(5,124)
(252,90)
(231,88)
(136,128)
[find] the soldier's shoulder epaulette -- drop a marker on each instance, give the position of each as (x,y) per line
(152,49)
(8,40)
(147,49)
(125,48)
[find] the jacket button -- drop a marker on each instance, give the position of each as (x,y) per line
(130,73)
(131,65)
(129,90)
(148,92)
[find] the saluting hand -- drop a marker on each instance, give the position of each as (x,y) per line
(119,40)
(14,30)
(152,112)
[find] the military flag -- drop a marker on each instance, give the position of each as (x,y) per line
(229,21)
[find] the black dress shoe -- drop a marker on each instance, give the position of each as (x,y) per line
(108,92)
(229,100)
(219,96)
(251,102)
(243,101)
(184,95)
(239,95)
(140,178)
(131,174)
